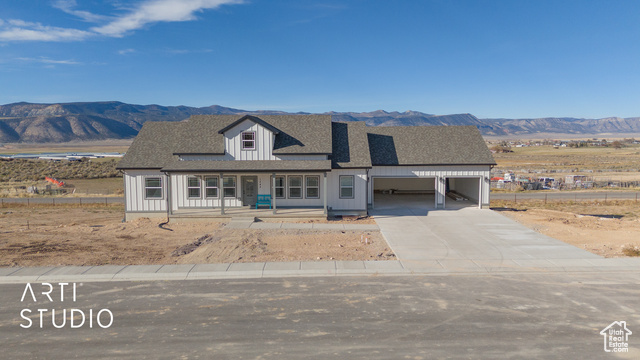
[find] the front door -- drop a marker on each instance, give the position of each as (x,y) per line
(249,190)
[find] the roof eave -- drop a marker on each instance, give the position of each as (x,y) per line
(255,119)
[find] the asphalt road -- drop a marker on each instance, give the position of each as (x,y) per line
(518,315)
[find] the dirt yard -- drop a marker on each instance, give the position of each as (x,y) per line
(46,236)
(609,230)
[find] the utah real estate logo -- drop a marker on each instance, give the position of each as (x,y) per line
(616,337)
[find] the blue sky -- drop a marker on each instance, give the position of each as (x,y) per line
(511,59)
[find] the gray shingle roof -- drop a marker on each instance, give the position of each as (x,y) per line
(350,145)
(299,134)
(153,147)
(249,165)
(428,145)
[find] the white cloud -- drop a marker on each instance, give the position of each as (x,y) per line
(45,60)
(18,30)
(68,7)
(185,51)
(126,51)
(146,12)
(152,11)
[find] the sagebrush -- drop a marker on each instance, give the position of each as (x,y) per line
(34,170)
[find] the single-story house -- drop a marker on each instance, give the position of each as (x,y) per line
(213,164)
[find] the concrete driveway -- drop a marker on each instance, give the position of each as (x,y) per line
(465,236)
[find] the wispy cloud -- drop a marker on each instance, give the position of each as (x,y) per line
(126,51)
(68,7)
(18,30)
(45,60)
(144,13)
(185,51)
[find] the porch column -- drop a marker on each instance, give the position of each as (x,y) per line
(324,193)
(221,190)
(273,192)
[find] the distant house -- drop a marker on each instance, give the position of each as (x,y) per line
(215,164)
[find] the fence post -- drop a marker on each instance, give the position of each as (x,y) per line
(545,199)
(27,202)
(105,201)
(80,201)
(605,198)
(515,199)
(636,197)
(53,201)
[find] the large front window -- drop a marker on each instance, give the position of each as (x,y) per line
(229,186)
(346,187)
(153,188)
(249,140)
(193,187)
(312,187)
(211,186)
(295,187)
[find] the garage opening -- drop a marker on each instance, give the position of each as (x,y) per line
(462,191)
(403,192)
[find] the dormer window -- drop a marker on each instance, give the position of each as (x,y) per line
(248,140)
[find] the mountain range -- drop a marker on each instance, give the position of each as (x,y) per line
(27,122)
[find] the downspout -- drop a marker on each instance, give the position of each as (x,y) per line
(169,211)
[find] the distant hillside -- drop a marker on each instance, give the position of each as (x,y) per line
(25,122)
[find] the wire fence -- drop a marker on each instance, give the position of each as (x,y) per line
(56,201)
(568,196)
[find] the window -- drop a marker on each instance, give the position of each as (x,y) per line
(346,187)
(229,186)
(295,187)
(280,184)
(248,140)
(313,187)
(153,188)
(193,187)
(211,186)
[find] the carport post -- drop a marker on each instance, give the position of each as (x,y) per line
(324,192)
(273,191)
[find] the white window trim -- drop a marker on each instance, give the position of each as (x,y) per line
(153,187)
(283,187)
(353,185)
(235,188)
(212,187)
(199,187)
(242,141)
(306,186)
(289,187)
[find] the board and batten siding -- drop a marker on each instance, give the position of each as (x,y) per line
(180,199)
(439,172)
(359,201)
(135,198)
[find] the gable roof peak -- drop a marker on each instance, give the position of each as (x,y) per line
(255,119)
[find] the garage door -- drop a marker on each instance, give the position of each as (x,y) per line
(403,191)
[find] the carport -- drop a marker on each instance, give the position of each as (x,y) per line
(396,190)
(468,188)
